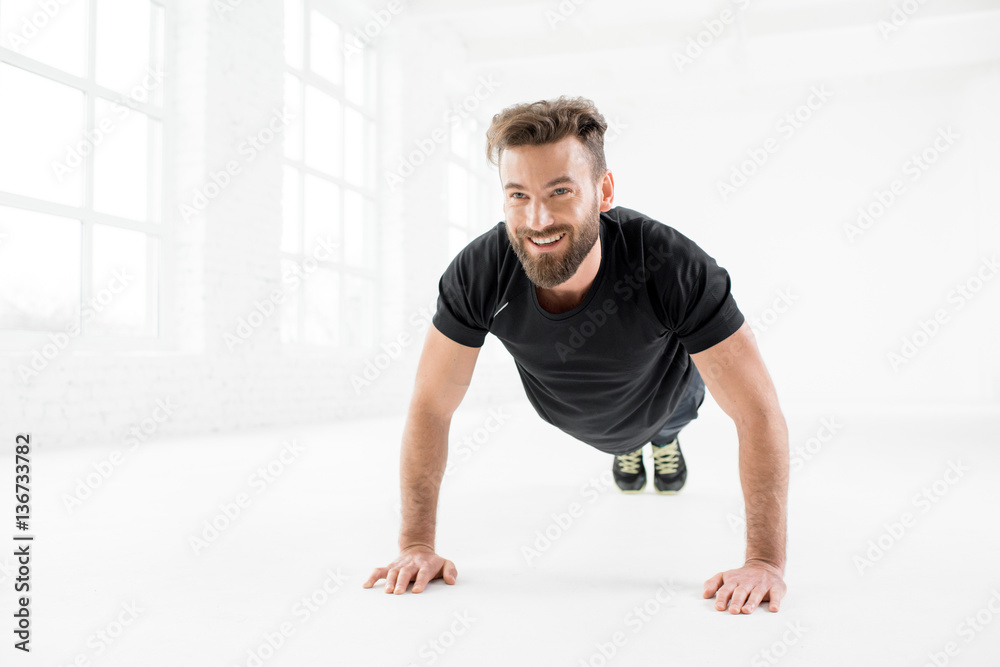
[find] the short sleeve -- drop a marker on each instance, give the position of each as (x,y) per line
(462,296)
(695,292)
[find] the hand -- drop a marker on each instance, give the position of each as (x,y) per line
(417,560)
(749,585)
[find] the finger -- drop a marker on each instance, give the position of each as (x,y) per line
(739,597)
(712,585)
(722,597)
(777,592)
(379,573)
(449,572)
(423,576)
(390,580)
(404,579)
(755,597)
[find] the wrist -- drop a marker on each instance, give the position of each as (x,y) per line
(780,567)
(415,544)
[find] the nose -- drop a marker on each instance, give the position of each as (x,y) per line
(539,217)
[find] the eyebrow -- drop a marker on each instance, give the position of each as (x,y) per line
(555,181)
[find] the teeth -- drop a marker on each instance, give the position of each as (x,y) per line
(547,241)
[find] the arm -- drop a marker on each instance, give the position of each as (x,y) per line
(443,376)
(735,374)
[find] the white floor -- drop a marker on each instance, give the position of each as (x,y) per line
(625,575)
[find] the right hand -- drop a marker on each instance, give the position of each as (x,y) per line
(420,561)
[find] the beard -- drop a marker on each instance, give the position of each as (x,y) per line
(550,269)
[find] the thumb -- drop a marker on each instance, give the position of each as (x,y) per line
(450,573)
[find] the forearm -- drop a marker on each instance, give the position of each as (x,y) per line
(764,477)
(423,457)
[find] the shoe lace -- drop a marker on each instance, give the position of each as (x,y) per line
(630,463)
(666,458)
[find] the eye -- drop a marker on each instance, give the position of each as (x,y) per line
(566,189)
(514,195)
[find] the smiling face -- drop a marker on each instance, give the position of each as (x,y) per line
(550,195)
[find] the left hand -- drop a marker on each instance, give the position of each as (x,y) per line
(749,585)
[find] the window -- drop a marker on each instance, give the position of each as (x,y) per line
(329,228)
(471,186)
(80,138)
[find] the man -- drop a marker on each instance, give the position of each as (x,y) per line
(604,310)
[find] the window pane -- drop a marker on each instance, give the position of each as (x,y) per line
(120,160)
(354,147)
(293,104)
(325,50)
(120,287)
(322,213)
(354,76)
(359,238)
(41,137)
(289,305)
(291,223)
(459,140)
(323,118)
(458,205)
(293,33)
(371,150)
(359,311)
(123,28)
(56,37)
(156,55)
(321,307)
(39,271)
(155,163)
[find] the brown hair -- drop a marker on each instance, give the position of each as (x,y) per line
(549,121)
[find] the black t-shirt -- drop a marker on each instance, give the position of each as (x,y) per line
(610,371)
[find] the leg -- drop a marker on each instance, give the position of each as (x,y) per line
(670,470)
(685,412)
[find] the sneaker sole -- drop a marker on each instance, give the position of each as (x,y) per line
(639,490)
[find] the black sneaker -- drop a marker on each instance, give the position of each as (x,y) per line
(670,472)
(629,473)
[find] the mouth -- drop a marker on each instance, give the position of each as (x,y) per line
(547,242)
